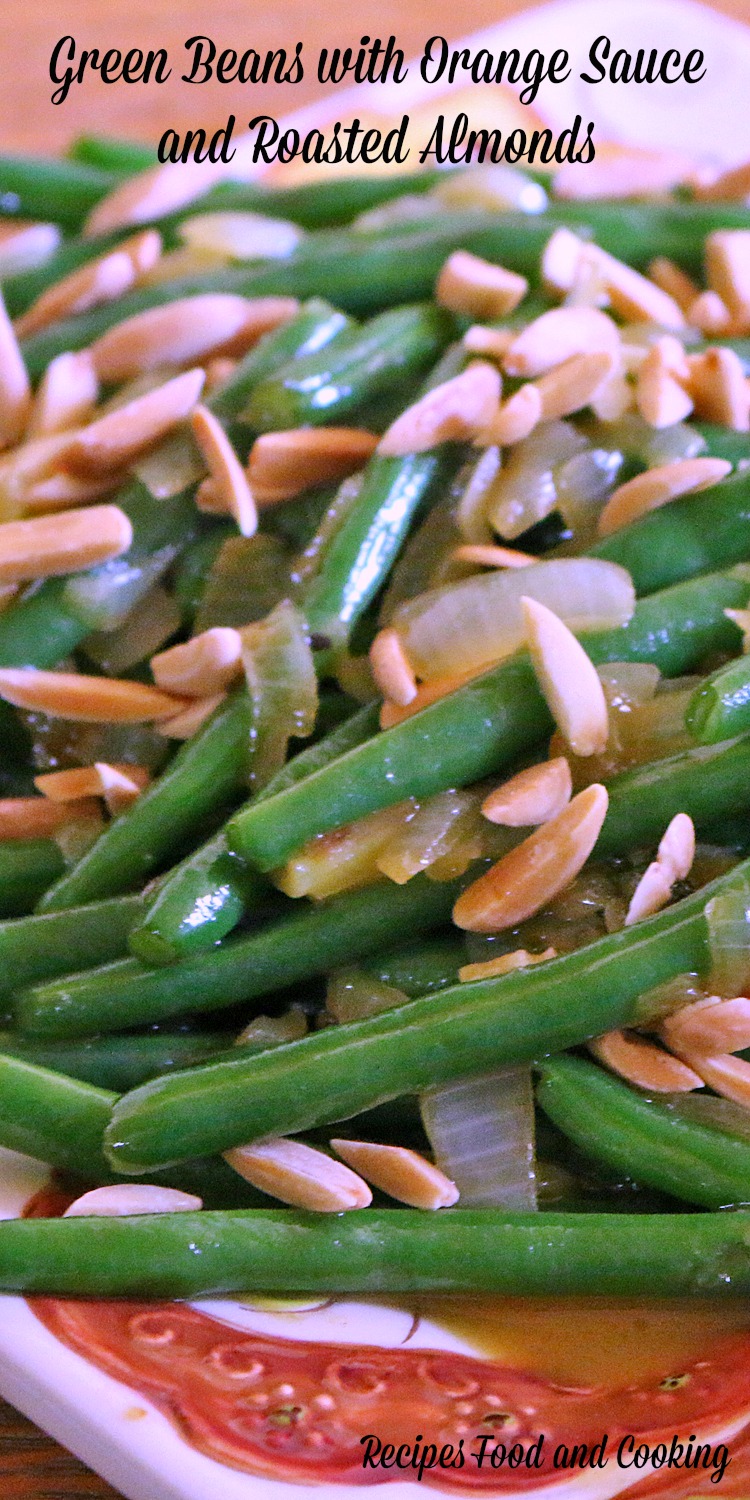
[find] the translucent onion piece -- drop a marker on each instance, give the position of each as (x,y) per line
(629,684)
(249,575)
(343,860)
(105,596)
(638,441)
(352,995)
(583,484)
(59,744)
(667,445)
(448,824)
(115,651)
(728,922)
(172,467)
(76,837)
(241,235)
(422,556)
(283,688)
(492,185)
(525,490)
(475,488)
(464,626)
(713,1114)
(482,1136)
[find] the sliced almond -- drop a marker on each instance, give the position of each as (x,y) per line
(283,464)
(186,723)
(532,797)
(486,556)
(729,185)
(30,818)
(125,1198)
(728,272)
(227,477)
(727,1075)
(297,1174)
(15,387)
(472,286)
(718,388)
(660,394)
(571,385)
(63,491)
(453,412)
(505,963)
(92,700)
(632,295)
(560,261)
(116,439)
(390,668)
(428,692)
(185,331)
(644,1064)
(514,420)
(202,666)
(667,275)
(558,335)
(652,893)
(153,194)
(711,1026)
(568,679)
(709,314)
(531,875)
(118,785)
(98,281)
(66,396)
(656,487)
(402,1174)
(677,848)
(219,372)
(52,545)
(673,861)
(488,343)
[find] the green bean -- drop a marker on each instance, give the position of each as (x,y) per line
(421,970)
(310,940)
(205,773)
(27,869)
(615,1124)
(37,187)
(112,155)
(118,1063)
(724,442)
(689,536)
(193,567)
(720,707)
(205,897)
(40,947)
(463,1030)
(477,729)
(709,783)
(316,328)
(636,232)
(385,1250)
(23,288)
(396,345)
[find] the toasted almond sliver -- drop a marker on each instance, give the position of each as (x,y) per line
(119,785)
(391,669)
(92,700)
(184,725)
(283,464)
(428,692)
(656,487)
(532,797)
(403,1174)
(98,281)
(505,963)
(642,1063)
(741,618)
(571,385)
(15,387)
(297,1174)
(488,343)
(453,412)
(718,388)
(532,874)
(727,1075)
(228,480)
(653,891)
(30,818)
(219,372)
(728,272)
(472,286)
(202,666)
(734,183)
(48,546)
(487,556)
(185,331)
(709,314)
(152,194)
(677,847)
(660,394)
(66,395)
(116,439)
(515,419)
(560,261)
(633,296)
(667,275)
(125,1198)
(568,679)
(557,335)
(711,1026)
(65,492)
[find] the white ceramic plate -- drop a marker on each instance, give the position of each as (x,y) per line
(108,1425)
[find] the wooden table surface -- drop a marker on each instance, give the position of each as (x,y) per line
(32,1467)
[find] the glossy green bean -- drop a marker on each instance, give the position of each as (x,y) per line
(477,729)
(39,947)
(118,1063)
(310,940)
(616,1124)
(316,328)
(28,868)
(110,154)
(466,1029)
(50,188)
(720,706)
(385,1250)
(708,782)
(691,535)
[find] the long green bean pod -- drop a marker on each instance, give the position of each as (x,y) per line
(28,868)
(720,706)
(689,536)
(465,1029)
(37,187)
(385,1250)
(613,1123)
(118,1063)
(478,728)
(39,947)
(708,782)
